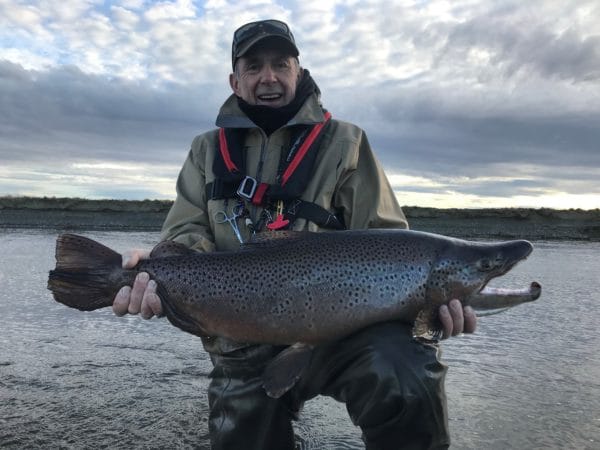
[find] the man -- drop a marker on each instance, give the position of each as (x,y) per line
(280,161)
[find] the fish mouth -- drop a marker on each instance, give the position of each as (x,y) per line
(513,253)
(500,299)
(489,298)
(532,292)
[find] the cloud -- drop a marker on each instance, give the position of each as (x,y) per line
(67,133)
(89,116)
(512,42)
(484,100)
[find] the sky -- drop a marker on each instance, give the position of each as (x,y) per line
(466,103)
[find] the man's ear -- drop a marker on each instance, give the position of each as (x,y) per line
(234,83)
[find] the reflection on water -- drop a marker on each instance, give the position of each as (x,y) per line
(527,379)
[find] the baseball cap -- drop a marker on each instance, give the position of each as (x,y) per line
(248,35)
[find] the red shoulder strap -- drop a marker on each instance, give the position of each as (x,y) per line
(224,149)
(314,133)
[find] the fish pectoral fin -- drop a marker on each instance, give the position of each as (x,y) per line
(285,369)
(427,325)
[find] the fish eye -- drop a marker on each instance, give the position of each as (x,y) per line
(484,265)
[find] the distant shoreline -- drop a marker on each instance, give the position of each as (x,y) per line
(148,215)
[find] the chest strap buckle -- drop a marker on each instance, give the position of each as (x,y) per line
(247,188)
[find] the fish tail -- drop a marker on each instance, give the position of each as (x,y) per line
(85,273)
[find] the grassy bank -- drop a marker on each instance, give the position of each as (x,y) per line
(82,204)
(82,214)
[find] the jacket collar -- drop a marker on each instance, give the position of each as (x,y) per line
(231,116)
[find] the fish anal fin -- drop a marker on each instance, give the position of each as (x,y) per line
(285,369)
(170,248)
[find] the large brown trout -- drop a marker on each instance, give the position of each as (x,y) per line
(299,288)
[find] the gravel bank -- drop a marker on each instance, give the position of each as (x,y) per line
(505,223)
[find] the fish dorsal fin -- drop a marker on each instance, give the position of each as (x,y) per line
(170,248)
(285,369)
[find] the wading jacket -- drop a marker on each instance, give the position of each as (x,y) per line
(346,180)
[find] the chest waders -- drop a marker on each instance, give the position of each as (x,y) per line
(392,385)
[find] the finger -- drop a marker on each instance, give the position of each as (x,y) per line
(151,304)
(132,257)
(155,303)
(121,302)
(137,292)
(458,320)
(470,319)
(446,320)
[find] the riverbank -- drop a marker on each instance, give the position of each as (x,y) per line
(147,215)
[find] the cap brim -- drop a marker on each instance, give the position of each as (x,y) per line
(283,43)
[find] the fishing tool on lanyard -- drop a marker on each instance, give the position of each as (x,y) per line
(236,211)
(279,221)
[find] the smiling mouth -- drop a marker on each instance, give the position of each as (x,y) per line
(269,97)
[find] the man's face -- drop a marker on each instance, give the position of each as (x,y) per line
(266,77)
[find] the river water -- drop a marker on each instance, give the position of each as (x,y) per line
(528,379)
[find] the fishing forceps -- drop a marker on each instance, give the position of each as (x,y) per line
(236,211)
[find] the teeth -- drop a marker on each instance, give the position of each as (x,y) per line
(269,96)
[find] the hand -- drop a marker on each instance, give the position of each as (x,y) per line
(142,297)
(456,319)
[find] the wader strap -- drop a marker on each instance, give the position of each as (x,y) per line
(225,154)
(303,150)
(294,173)
(231,181)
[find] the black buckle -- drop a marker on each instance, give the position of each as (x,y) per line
(247,188)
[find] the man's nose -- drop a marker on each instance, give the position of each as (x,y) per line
(267,75)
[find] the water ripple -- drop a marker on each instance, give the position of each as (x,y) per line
(529,378)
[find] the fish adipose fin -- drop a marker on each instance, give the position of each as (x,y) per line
(84,277)
(285,369)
